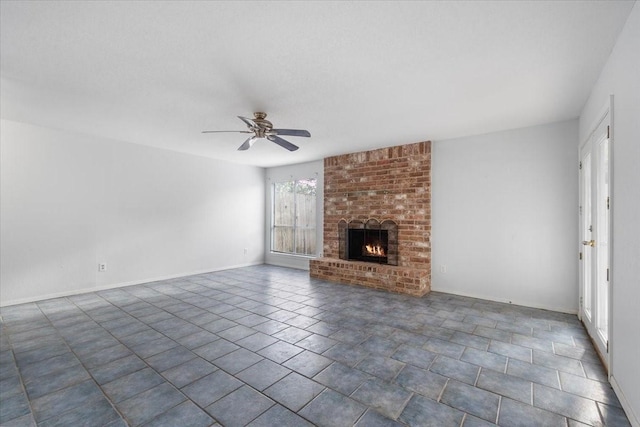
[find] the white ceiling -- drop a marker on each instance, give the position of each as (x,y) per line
(357,75)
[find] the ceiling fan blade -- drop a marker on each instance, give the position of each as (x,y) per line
(250,123)
(225,131)
(281,142)
(292,132)
(248,143)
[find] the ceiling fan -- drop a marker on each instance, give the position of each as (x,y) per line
(260,127)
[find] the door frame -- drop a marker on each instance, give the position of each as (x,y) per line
(605,117)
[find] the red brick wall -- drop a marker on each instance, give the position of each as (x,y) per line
(390,183)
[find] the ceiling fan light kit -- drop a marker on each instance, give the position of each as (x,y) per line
(263,128)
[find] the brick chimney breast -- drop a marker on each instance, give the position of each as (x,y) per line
(387,184)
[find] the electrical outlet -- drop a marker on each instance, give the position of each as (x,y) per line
(102,267)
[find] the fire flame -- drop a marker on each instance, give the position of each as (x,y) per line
(374,250)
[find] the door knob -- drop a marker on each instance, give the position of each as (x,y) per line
(591,243)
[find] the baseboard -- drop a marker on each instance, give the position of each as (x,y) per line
(119,285)
(626,405)
(506,301)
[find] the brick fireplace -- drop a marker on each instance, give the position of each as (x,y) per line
(389,184)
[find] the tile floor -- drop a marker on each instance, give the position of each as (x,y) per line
(268,346)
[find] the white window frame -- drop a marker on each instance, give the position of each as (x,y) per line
(296,228)
(314,169)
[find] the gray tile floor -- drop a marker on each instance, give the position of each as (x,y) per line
(268,346)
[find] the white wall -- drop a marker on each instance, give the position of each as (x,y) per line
(287,173)
(70,201)
(504,216)
(621,77)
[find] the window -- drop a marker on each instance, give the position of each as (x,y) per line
(293,227)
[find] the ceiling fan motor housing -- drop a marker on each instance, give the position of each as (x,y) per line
(263,125)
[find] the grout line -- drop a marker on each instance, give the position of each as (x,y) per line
(464,417)
(475,383)
(20,378)
(433,361)
(532,393)
(442,391)
(584,371)
(411,394)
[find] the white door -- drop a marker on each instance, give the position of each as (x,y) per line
(595,266)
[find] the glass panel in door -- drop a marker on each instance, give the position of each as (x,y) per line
(587,236)
(595,268)
(602,248)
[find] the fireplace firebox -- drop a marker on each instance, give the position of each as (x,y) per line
(369,241)
(368,245)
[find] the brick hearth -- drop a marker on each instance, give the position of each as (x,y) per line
(390,183)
